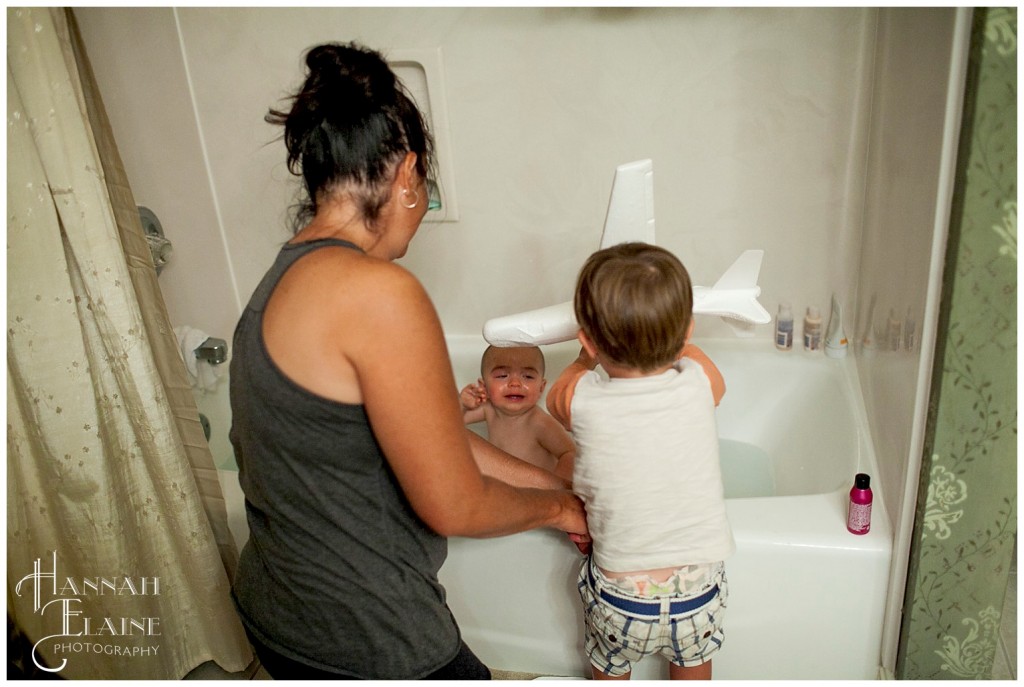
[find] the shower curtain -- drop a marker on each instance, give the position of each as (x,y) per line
(118,552)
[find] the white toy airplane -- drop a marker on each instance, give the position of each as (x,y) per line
(631,218)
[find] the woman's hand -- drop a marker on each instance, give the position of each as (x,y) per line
(574,521)
(583,542)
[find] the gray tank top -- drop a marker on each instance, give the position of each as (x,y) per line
(339,573)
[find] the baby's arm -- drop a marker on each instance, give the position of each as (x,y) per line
(473,397)
(710,369)
(556,441)
(565,466)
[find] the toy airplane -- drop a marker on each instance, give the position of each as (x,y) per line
(631,218)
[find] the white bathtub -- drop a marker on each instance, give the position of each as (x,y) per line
(806,597)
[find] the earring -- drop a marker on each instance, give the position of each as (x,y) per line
(414,203)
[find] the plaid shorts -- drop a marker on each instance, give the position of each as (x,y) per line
(622,628)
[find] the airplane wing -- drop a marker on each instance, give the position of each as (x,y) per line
(631,205)
(548,325)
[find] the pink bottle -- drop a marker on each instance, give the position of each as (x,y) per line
(858,517)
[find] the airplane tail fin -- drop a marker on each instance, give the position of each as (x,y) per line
(734,295)
(743,273)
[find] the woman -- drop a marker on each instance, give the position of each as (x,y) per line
(346,420)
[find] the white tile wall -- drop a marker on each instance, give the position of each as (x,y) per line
(754,119)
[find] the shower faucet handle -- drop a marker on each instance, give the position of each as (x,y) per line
(213,351)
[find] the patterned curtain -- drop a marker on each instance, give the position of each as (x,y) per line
(118,553)
(967,507)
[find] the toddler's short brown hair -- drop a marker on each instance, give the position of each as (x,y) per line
(635,303)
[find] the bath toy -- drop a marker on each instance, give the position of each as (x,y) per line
(631,218)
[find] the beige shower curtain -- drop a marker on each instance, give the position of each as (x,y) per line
(118,552)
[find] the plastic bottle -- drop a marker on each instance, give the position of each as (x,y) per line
(812,330)
(909,331)
(858,516)
(870,341)
(835,336)
(894,331)
(784,328)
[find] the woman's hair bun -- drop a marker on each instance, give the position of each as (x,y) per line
(351,72)
(350,123)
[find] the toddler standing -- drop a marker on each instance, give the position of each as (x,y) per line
(646,467)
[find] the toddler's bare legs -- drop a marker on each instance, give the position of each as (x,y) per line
(701,672)
(598,675)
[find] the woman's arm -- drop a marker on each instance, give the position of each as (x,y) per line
(493,462)
(408,388)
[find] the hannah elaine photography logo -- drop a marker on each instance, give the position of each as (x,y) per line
(65,600)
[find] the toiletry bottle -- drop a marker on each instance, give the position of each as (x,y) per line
(909,331)
(858,517)
(870,341)
(784,328)
(812,330)
(835,337)
(895,331)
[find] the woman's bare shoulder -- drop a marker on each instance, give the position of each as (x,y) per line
(342,273)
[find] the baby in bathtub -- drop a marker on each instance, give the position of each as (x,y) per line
(506,396)
(647,466)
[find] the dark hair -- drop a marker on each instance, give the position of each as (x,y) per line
(635,302)
(349,125)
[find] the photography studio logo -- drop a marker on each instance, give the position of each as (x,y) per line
(64,601)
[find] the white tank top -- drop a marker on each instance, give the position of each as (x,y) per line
(647,469)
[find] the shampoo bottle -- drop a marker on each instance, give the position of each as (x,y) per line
(784,328)
(812,330)
(858,517)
